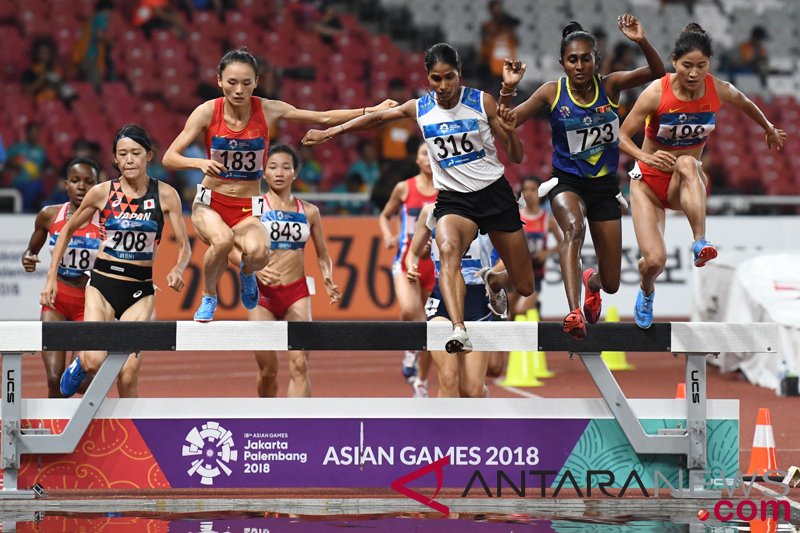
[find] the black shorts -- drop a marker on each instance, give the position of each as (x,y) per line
(476,304)
(598,194)
(493,208)
(120,293)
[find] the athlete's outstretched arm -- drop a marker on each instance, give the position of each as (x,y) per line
(364,122)
(41,229)
(728,93)
(276,109)
(542,99)
(323,257)
(171,206)
(92,202)
(618,81)
(196,124)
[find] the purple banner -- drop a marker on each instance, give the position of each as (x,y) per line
(336,453)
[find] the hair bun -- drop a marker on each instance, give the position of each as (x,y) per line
(572,27)
(694,27)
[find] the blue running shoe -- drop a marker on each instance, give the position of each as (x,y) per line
(703,252)
(72,378)
(205,313)
(643,310)
(249,288)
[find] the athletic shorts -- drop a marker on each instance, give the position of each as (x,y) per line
(121,293)
(598,194)
(427,272)
(656,179)
(69,302)
(232,209)
(476,305)
(277,299)
(493,208)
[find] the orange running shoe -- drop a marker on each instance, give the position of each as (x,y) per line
(573,324)
(592,303)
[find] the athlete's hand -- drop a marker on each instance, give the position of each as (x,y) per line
(513,71)
(29,262)
(209,167)
(315,137)
(391,242)
(386,104)
(775,137)
(48,297)
(175,279)
(333,291)
(268,276)
(507,118)
(630,27)
(661,160)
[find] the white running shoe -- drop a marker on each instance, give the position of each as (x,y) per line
(410,365)
(498,301)
(458,342)
(420,388)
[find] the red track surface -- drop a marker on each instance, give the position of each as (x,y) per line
(377,374)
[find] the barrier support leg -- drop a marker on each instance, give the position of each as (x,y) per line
(16,442)
(697,428)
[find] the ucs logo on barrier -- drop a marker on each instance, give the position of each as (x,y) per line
(212,444)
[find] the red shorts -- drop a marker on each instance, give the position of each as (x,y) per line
(657,180)
(427,272)
(232,209)
(69,302)
(277,299)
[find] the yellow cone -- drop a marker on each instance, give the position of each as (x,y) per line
(538,360)
(615,360)
(519,372)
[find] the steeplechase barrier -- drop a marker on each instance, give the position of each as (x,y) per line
(484,447)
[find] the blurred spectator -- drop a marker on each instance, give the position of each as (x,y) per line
(392,174)
(623,59)
(601,38)
(268,85)
(3,154)
(92,54)
(43,78)
(26,163)
(753,56)
(219,7)
(367,164)
(353,184)
(157,14)
(498,40)
(156,170)
(309,177)
(392,137)
(328,24)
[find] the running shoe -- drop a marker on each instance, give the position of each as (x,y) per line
(498,301)
(410,364)
(703,252)
(574,325)
(205,313)
(643,310)
(72,378)
(592,302)
(420,388)
(458,342)
(249,288)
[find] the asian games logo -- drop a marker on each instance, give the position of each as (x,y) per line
(233,144)
(212,444)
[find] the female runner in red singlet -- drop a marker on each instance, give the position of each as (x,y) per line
(225,211)
(82,175)
(679,112)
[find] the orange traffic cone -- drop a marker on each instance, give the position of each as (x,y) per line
(768,525)
(680,391)
(763,459)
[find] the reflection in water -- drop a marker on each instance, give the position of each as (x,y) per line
(394,523)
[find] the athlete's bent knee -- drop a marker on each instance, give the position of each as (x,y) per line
(686,166)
